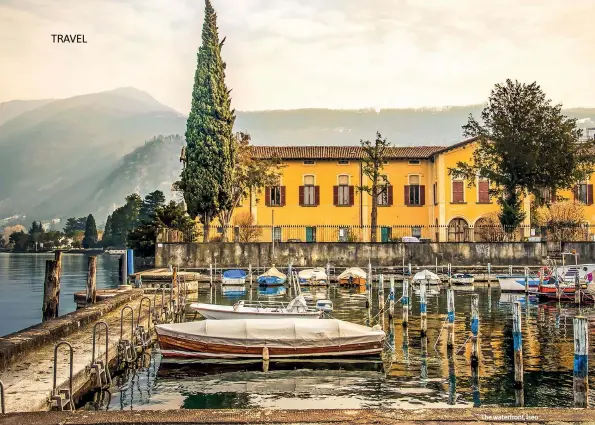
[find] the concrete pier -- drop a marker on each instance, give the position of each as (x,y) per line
(27,357)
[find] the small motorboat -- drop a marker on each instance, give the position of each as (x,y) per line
(427,277)
(313,277)
(516,283)
(233,277)
(296,308)
(324,305)
(283,338)
(272,277)
(352,276)
(462,279)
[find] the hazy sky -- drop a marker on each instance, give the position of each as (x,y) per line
(303,53)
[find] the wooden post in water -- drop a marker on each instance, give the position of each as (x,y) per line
(423,309)
(391,299)
(449,275)
(517,338)
(250,273)
(328,272)
(489,274)
(211,274)
(527,281)
(424,357)
(450,307)
(474,330)
(51,291)
(58,258)
(581,361)
(405,302)
(577,288)
(381,299)
(369,287)
(409,269)
(92,280)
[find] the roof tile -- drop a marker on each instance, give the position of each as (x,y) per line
(341,152)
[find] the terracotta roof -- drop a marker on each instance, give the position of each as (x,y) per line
(341,152)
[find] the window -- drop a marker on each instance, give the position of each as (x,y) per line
(483,191)
(435,193)
(458,230)
(309,194)
(414,162)
(385,198)
(343,193)
(343,162)
(414,192)
(275,196)
(343,234)
(416,232)
(276,234)
(584,193)
(309,162)
(458,192)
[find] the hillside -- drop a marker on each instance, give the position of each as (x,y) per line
(68,141)
(14,108)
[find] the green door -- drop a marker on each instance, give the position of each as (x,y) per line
(385,234)
(310,234)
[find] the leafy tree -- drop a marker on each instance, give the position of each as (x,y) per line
(206,178)
(20,241)
(150,204)
(563,221)
(524,144)
(124,219)
(74,224)
(373,168)
(248,230)
(248,175)
(90,239)
(36,233)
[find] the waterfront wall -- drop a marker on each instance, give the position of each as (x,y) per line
(197,255)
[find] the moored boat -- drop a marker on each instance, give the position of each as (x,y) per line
(427,277)
(284,338)
(233,277)
(516,283)
(352,276)
(272,277)
(313,277)
(462,279)
(296,308)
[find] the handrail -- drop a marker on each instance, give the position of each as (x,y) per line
(2,405)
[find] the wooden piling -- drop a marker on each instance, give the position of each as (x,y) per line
(517,338)
(449,275)
(489,274)
(391,299)
(51,291)
(450,307)
(577,288)
(405,345)
(527,280)
(452,381)
(475,385)
(581,361)
(423,309)
(409,269)
(211,274)
(424,358)
(474,330)
(58,258)
(92,280)
(405,302)
(381,299)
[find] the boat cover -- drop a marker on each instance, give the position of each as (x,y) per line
(273,272)
(353,272)
(234,274)
(273,332)
(425,275)
(317,273)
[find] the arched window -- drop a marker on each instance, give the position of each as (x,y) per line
(458,230)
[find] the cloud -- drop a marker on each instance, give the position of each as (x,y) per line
(302,53)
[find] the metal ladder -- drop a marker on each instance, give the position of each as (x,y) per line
(2,405)
(62,397)
(126,351)
(101,368)
(143,334)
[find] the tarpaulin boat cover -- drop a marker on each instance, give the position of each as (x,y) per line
(273,332)
(426,275)
(355,272)
(317,273)
(234,274)
(273,272)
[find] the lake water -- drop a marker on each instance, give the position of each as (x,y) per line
(21,285)
(410,377)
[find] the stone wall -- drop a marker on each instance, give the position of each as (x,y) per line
(198,255)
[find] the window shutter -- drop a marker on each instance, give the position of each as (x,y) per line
(301,196)
(316,195)
(458,195)
(335,195)
(484,192)
(389,195)
(351,195)
(282,196)
(422,195)
(267,196)
(589,194)
(406,195)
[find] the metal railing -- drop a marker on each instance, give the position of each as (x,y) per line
(385,234)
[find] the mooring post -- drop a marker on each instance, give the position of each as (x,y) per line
(405,345)
(405,302)
(328,271)
(51,291)
(452,381)
(211,274)
(489,274)
(474,330)
(475,385)
(250,273)
(91,280)
(58,258)
(409,269)
(449,275)
(424,357)
(517,338)
(423,309)
(577,288)
(510,269)
(581,361)
(391,299)
(381,299)
(527,281)
(450,307)
(369,287)
(290,267)
(124,270)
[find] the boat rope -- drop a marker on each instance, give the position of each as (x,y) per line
(464,343)
(440,334)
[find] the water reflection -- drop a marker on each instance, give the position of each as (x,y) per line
(415,372)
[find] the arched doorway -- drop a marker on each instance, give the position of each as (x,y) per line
(481,230)
(458,230)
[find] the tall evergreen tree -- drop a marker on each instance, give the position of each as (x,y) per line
(106,240)
(150,204)
(90,239)
(209,154)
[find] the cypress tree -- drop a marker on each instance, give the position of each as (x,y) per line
(206,178)
(90,239)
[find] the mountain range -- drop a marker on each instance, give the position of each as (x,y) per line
(84,154)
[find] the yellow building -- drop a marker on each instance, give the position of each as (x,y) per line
(317,197)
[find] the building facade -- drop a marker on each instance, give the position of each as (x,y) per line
(317,198)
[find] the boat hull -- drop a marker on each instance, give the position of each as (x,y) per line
(233,281)
(517,283)
(219,314)
(357,281)
(270,281)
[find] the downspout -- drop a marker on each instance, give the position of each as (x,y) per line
(361,196)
